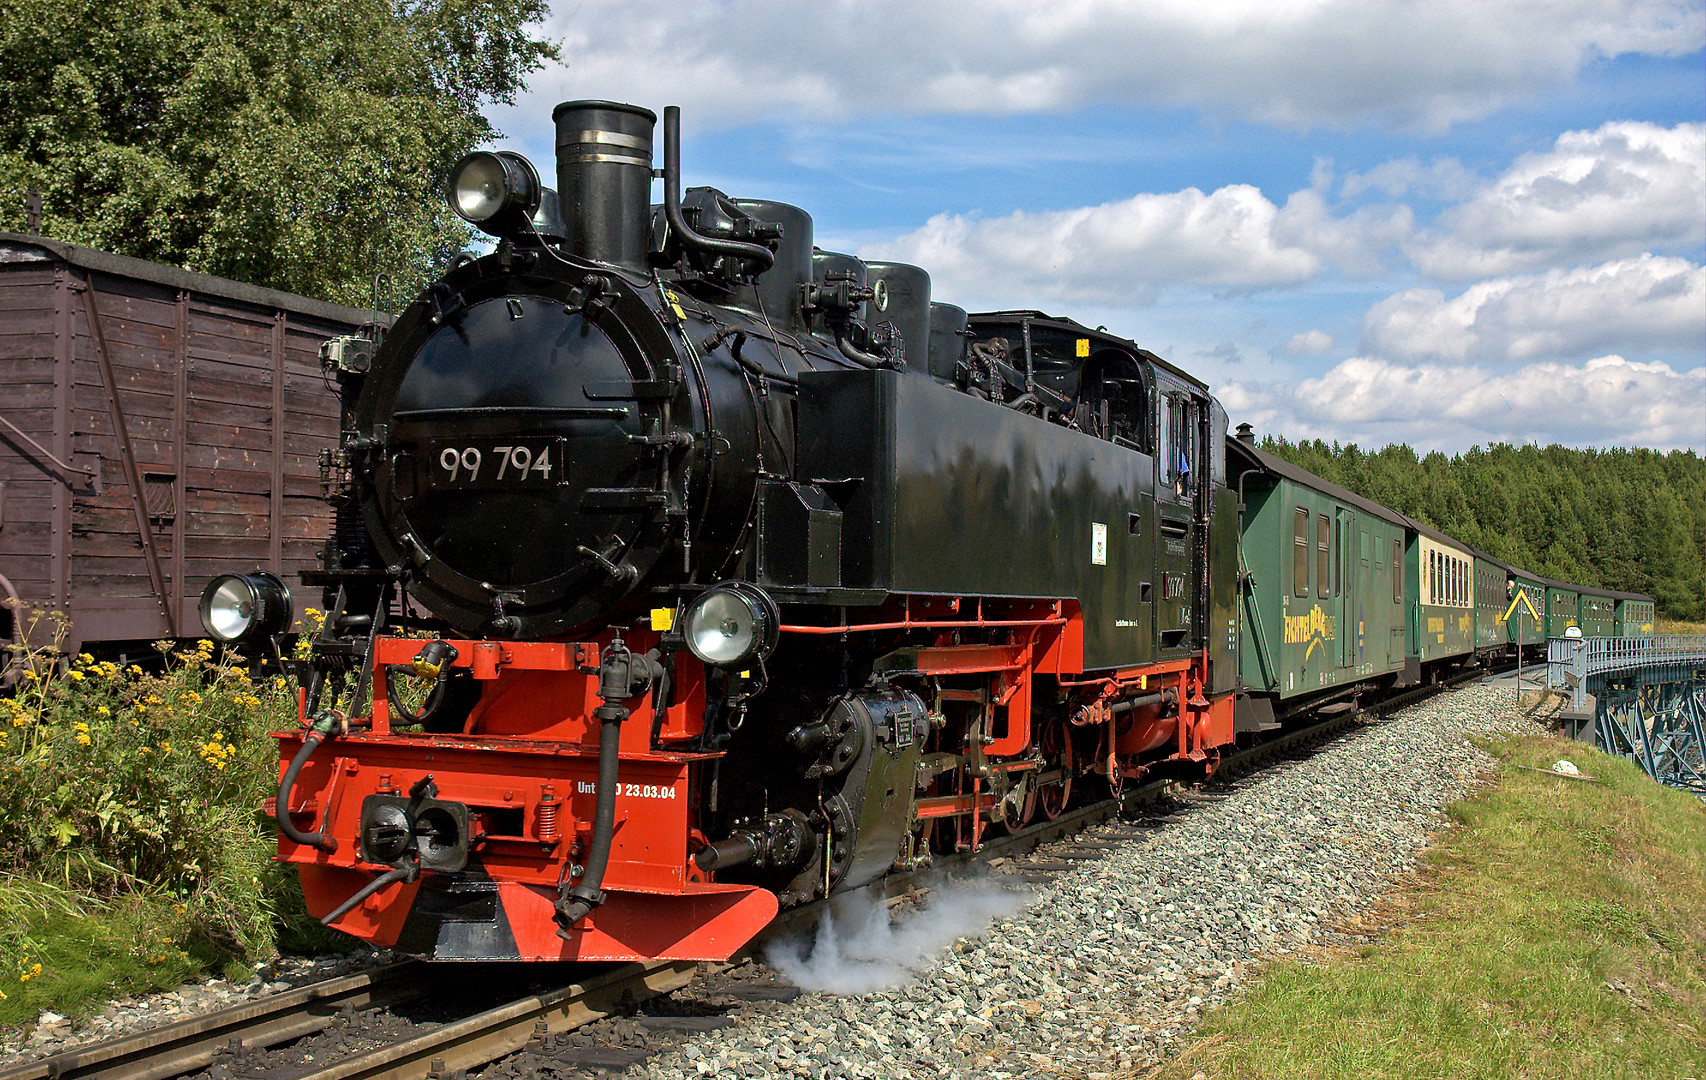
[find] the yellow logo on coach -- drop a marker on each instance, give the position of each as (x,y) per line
(1317,625)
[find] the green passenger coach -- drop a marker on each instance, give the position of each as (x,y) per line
(1527,623)
(1563,608)
(1323,603)
(1439,573)
(1491,599)
(1634,615)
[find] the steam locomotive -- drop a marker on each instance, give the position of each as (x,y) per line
(683,571)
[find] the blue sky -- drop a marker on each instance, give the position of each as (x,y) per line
(1366,220)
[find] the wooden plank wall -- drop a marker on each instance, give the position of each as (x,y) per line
(226,412)
(28,321)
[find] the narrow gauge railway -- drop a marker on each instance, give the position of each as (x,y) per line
(466,1020)
(683,573)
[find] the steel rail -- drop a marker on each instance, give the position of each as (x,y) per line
(175,1049)
(495,1033)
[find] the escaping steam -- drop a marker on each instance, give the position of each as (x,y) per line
(858,948)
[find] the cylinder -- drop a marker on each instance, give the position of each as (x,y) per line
(777,290)
(947,341)
(604,180)
(902,297)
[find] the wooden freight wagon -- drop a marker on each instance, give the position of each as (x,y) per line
(157,427)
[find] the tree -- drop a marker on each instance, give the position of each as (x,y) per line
(296,144)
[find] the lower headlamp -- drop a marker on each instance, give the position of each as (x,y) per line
(238,606)
(732,624)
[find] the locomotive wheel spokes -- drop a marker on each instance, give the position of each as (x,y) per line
(1054,786)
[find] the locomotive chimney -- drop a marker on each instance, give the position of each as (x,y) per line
(604,180)
(1246,434)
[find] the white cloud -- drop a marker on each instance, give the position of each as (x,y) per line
(1116,251)
(1308,343)
(1443,178)
(1622,189)
(1632,305)
(1303,62)
(1607,401)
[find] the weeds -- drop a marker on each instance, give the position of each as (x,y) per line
(132,850)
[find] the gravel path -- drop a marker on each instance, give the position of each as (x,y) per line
(1108,965)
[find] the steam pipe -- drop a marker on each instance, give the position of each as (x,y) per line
(672,202)
(1141,700)
(588,894)
(858,355)
(282,808)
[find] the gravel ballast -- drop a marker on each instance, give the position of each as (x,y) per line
(1108,965)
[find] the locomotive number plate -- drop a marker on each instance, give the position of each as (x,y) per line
(491,464)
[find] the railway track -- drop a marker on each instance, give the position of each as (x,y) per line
(536,1018)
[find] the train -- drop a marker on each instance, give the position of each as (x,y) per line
(682,572)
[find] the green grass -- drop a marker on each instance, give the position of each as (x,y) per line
(1556,931)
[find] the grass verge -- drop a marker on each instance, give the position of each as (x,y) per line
(1555,931)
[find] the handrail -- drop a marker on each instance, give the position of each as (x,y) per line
(1572,661)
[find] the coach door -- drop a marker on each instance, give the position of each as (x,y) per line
(1344,558)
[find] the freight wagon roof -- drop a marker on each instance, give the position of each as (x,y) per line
(1296,475)
(18,248)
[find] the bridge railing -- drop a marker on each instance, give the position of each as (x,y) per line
(1572,661)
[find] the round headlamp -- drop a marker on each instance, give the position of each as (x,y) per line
(238,606)
(732,624)
(495,189)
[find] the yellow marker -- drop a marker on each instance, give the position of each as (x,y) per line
(1520,598)
(663,619)
(675,305)
(1083,346)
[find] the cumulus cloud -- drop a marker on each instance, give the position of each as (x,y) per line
(1301,63)
(1646,303)
(1123,250)
(1619,190)
(1606,401)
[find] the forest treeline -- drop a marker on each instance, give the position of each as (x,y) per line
(1632,520)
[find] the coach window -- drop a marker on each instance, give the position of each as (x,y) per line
(1397,571)
(1300,553)
(1323,558)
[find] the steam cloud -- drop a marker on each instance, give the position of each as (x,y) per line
(859,949)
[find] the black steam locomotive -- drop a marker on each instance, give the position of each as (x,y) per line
(683,570)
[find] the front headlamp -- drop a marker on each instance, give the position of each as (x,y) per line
(238,606)
(496,190)
(732,624)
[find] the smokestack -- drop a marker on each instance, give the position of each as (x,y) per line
(1246,434)
(604,180)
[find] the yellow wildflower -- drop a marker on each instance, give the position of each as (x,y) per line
(82,739)
(85,659)
(103,710)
